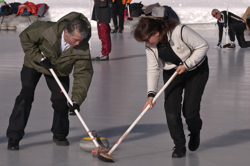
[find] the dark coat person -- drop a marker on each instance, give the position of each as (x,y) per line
(102,15)
(236,27)
(118,6)
(102,11)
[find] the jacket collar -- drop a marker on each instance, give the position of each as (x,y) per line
(222,19)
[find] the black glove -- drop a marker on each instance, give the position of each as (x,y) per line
(73,108)
(45,63)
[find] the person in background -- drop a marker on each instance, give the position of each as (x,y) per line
(102,15)
(118,6)
(236,26)
(176,48)
(65,46)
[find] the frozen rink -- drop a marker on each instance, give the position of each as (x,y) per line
(115,99)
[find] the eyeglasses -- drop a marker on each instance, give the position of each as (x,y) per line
(215,14)
(146,40)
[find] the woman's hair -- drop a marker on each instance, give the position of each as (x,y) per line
(149,26)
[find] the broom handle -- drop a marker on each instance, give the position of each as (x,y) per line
(77,113)
(142,113)
(227,25)
(128,10)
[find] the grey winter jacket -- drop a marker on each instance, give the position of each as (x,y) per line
(45,37)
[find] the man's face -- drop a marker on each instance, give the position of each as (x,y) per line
(74,39)
(216,14)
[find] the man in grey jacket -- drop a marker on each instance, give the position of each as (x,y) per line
(65,45)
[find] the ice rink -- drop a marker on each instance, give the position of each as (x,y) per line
(115,99)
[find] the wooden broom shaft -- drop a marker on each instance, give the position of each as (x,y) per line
(70,102)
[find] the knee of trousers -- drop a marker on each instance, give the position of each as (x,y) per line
(243,45)
(173,118)
(60,106)
(191,112)
(195,118)
(26,94)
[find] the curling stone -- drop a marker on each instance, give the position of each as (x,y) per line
(4,26)
(12,27)
(86,143)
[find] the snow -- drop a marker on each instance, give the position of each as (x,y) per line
(189,11)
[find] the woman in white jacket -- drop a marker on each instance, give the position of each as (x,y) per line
(174,47)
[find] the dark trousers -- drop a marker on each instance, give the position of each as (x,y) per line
(21,111)
(193,84)
(238,30)
(116,7)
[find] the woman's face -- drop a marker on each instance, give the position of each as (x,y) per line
(153,39)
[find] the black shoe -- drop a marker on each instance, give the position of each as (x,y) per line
(194,141)
(232,45)
(114,31)
(229,45)
(61,141)
(13,144)
(119,31)
(179,151)
(101,58)
(226,45)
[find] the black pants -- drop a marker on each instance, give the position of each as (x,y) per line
(118,7)
(21,111)
(193,84)
(238,30)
